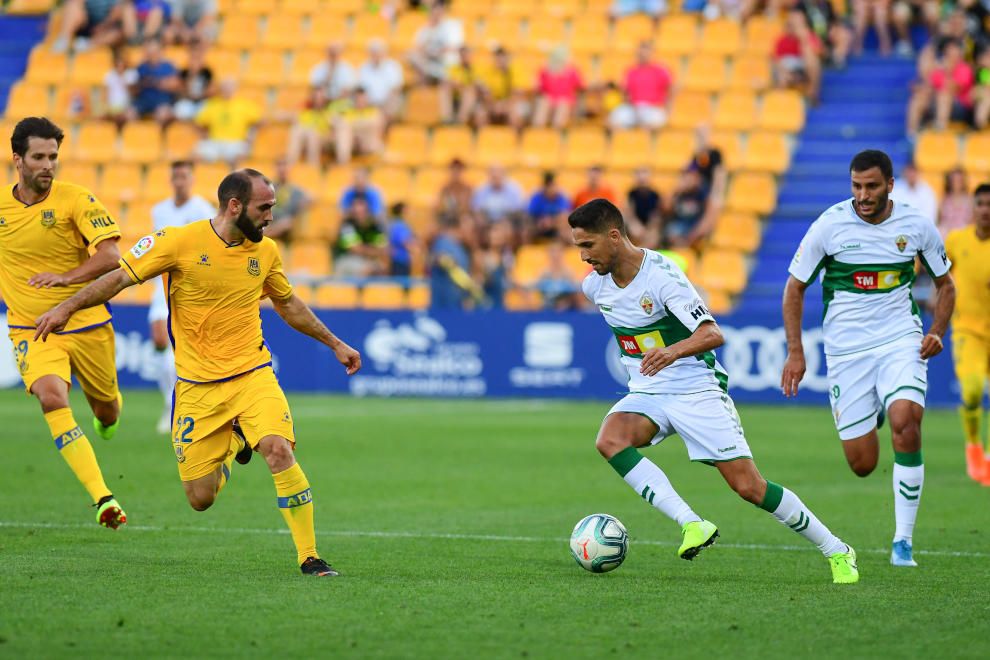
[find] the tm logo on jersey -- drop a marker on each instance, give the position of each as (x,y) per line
(882,280)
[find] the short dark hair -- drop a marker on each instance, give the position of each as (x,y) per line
(398,209)
(29,127)
(597,216)
(982,189)
(549,177)
(237,185)
(871,158)
(176,164)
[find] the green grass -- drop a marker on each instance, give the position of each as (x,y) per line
(414,504)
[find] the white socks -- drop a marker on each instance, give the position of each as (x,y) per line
(788,508)
(908,480)
(652,485)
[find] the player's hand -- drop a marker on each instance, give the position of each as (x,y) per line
(794,369)
(51,321)
(348,357)
(656,359)
(48,280)
(931,346)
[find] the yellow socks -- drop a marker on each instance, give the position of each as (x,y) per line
(295,501)
(971,418)
(77,452)
(235,446)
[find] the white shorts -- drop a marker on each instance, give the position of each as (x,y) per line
(706,421)
(642,114)
(862,384)
(158,310)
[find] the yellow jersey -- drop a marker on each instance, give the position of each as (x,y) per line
(50,236)
(228,119)
(971,271)
(214,291)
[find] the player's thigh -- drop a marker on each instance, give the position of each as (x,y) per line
(636,420)
(709,425)
(201,428)
(901,373)
(971,357)
(36,359)
(94,362)
(852,394)
(261,407)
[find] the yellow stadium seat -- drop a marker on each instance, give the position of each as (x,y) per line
(322,222)
(767,151)
(343,7)
(255,7)
(290,99)
(517,8)
(396,182)
(589,34)
(180,141)
(496,145)
(301,7)
(369,26)
(418,296)
(310,258)
(46,67)
(271,139)
(91,67)
(470,10)
(690,109)
(705,73)
(585,147)
(28,100)
(678,34)
(735,111)
(83,174)
(303,61)
(264,67)
(96,142)
(239,31)
(674,150)
(72,104)
(208,178)
(629,31)
(730,144)
(406,27)
(976,153)
(383,295)
(522,300)
(545,32)
(138,220)
(121,182)
(761,35)
(719,302)
(157,182)
(141,142)
(406,145)
(531,262)
(429,181)
(283,32)
(540,148)
(225,63)
(451,142)
(563,9)
(502,30)
(630,150)
(336,180)
(750,73)
(17,7)
(723,270)
(782,110)
(737,231)
(307,177)
(423,106)
(324,28)
(937,151)
(336,295)
(528,179)
(755,192)
(722,36)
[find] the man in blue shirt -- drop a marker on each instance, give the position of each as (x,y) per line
(157,85)
(548,209)
(449,266)
(361,187)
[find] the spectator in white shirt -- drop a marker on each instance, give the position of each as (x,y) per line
(911,189)
(333,74)
(499,198)
(117,84)
(381,78)
(436,46)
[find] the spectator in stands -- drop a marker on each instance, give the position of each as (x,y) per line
(653,8)
(796,56)
(561,291)
(981,93)
(144,19)
(875,13)
(595,188)
(904,13)
(312,130)
(455,196)
(558,85)
(492,262)
(499,198)
(946,92)
(117,85)
(450,263)
(361,248)
(644,210)
(647,92)
(359,126)
(157,86)
(196,80)
(460,88)
(828,27)
(436,45)
(402,242)
(333,74)
(227,121)
(548,209)
(500,88)
(89,23)
(911,189)
(362,188)
(956,210)
(192,21)
(381,77)
(708,162)
(683,226)
(291,203)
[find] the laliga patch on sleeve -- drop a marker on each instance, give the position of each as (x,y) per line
(142,246)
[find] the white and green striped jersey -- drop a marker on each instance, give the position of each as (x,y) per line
(658,308)
(868,272)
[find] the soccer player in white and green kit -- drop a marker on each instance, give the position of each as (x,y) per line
(667,339)
(875,349)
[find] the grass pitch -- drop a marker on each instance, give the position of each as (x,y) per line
(449,520)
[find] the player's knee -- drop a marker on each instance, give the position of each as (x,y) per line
(609,445)
(200,501)
(51,400)
(278,454)
(751,489)
(862,466)
(972,392)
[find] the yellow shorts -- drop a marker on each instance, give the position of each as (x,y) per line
(203,414)
(87,355)
(971,355)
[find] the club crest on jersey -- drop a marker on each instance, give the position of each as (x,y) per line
(901,242)
(647,304)
(254,268)
(142,246)
(48,218)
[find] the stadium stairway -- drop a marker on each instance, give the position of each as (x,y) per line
(18,35)
(863,107)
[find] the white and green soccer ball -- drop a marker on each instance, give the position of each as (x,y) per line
(599,543)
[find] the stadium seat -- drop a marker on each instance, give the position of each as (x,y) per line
(517,8)
(767,151)
(180,141)
(755,192)
(226,63)
(395,182)
(750,73)
(719,302)
(737,231)
(540,148)
(761,35)
(678,35)
(470,10)
(138,220)
(96,142)
(141,142)
(208,178)
(545,33)
(937,151)
(630,149)
(782,110)
(28,100)
(72,103)
(289,100)
(383,295)
(304,293)
(722,36)
(46,67)
(705,73)
(336,295)
(522,300)
(563,9)
(282,31)
(735,110)
(302,7)
(690,110)
(239,30)
(673,151)
(310,258)
(629,31)
(730,144)
(406,27)
(29,7)
(91,67)
(585,147)
(722,270)
(429,181)
(81,173)
(255,7)
(418,297)
(451,142)
(423,106)
(265,68)
(368,26)
(323,221)
(405,145)
(157,181)
(976,152)
(589,34)
(303,61)
(496,145)
(271,140)
(501,30)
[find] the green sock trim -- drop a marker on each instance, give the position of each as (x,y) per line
(625,460)
(908,458)
(771,500)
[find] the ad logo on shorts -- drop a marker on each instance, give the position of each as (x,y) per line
(254,268)
(880,280)
(142,246)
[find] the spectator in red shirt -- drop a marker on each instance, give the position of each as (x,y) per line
(595,189)
(946,93)
(557,89)
(796,57)
(647,88)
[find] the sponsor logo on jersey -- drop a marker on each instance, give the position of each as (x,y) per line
(647,304)
(48,218)
(639,344)
(102,221)
(850,246)
(901,242)
(3,221)
(254,268)
(204,259)
(699,312)
(142,246)
(882,280)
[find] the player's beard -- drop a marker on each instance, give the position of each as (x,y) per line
(40,185)
(878,209)
(254,234)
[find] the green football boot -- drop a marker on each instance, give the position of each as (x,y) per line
(109,513)
(844,570)
(697,536)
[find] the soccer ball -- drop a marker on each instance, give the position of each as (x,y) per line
(599,543)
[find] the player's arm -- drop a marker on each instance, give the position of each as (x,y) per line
(794,366)
(300,317)
(945,302)
(103,260)
(706,337)
(94,293)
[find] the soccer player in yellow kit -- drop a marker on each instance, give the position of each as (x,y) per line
(969,250)
(47,230)
(217,272)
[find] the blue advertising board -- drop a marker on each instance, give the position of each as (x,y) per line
(494,353)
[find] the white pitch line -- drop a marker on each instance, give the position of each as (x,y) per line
(463,537)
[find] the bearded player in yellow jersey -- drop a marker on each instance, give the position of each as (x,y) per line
(969,250)
(217,272)
(54,238)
